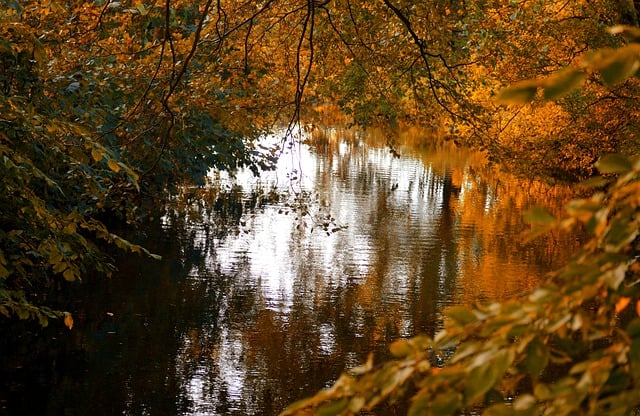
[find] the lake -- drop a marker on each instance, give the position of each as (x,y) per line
(269,287)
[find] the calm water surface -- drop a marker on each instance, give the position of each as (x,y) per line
(261,301)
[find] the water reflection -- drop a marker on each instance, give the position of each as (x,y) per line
(255,305)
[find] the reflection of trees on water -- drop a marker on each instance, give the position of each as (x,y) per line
(436,284)
(338,317)
(206,331)
(138,337)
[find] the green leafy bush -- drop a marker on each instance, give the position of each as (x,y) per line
(89,139)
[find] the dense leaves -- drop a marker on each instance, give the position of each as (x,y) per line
(97,128)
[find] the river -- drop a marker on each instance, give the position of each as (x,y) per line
(261,300)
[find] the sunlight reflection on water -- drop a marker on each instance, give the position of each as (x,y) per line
(416,241)
(275,244)
(254,305)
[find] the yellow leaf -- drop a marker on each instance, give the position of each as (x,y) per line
(69,275)
(70,228)
(68,321)
(113,165)
(96,154)
(622,303)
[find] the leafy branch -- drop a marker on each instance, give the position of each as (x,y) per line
(613,65)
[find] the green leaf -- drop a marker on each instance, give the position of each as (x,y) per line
(634,359)
(557,323)
(466,349)
(392,379)
(525,405)
(621,233)
(630,33)
(461,315)
(618,64)
(562,83)
(479,381)
(633,329)
(499,409)
(333,408)
(446,403)
(537,357)
(615,276)
(401,348)
(420,404)
(594,182)
(592,213)
(540,295)
(142,9)
(538,215)
(484,377)
(519,93)
(614,163)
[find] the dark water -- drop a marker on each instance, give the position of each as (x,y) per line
(256,303)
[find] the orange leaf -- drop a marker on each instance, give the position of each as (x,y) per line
(113,165)
(68,321)
(96,154)
(622,303)
(638,308)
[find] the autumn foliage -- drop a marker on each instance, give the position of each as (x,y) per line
(108,109)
